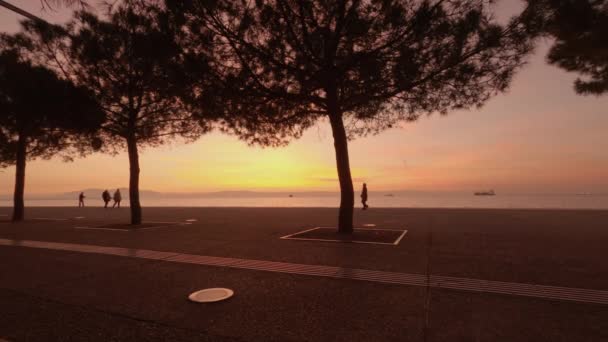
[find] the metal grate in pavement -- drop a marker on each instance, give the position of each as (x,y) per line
(435,281)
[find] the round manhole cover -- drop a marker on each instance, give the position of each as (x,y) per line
(211,295)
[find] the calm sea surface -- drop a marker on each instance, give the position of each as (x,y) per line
(396,201)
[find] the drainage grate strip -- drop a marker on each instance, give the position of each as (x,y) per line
(435,281)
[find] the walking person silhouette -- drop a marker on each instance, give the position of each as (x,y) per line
(117,198)
(364,196)
(81,200)
(106,198)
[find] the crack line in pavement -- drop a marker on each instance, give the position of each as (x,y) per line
(148,262)
(114,313)
(432,281)
(427,301)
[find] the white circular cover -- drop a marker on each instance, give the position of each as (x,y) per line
(211,295)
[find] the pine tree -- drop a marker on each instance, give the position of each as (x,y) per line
(133,65)
(41,116)
(580,30)
(362,65)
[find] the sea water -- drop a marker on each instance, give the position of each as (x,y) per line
(376,200)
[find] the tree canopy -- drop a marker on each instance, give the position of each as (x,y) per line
(134,67)
(363,65)
(580,30)
(41,116)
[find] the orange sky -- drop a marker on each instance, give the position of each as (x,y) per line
(538,137)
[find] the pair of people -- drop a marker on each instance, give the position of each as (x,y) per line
(107,198)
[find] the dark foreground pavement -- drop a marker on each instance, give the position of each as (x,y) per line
(49,295)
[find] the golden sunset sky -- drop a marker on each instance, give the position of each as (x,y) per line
(539,137)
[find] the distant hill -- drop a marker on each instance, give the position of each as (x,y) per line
(215,194)
(97,193)
(245,194)
(93,193)
(89,193)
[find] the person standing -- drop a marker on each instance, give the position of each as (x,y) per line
(364,196)
(117,198)
(81,200)
(106,198)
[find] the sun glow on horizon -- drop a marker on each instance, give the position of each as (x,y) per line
(254,168)
(538,137)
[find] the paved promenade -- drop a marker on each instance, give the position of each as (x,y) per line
(458,275)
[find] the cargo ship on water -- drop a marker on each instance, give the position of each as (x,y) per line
(485,193)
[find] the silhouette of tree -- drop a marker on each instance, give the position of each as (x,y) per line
(46,4)
(133,66)
(42,116)
(363,65)
(580,28)
(53,4)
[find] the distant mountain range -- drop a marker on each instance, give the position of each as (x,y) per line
(94,193)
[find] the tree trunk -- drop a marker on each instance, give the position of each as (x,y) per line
(18,204)
(347,195)
(134,180)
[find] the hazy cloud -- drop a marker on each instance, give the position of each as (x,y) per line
(330,179)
